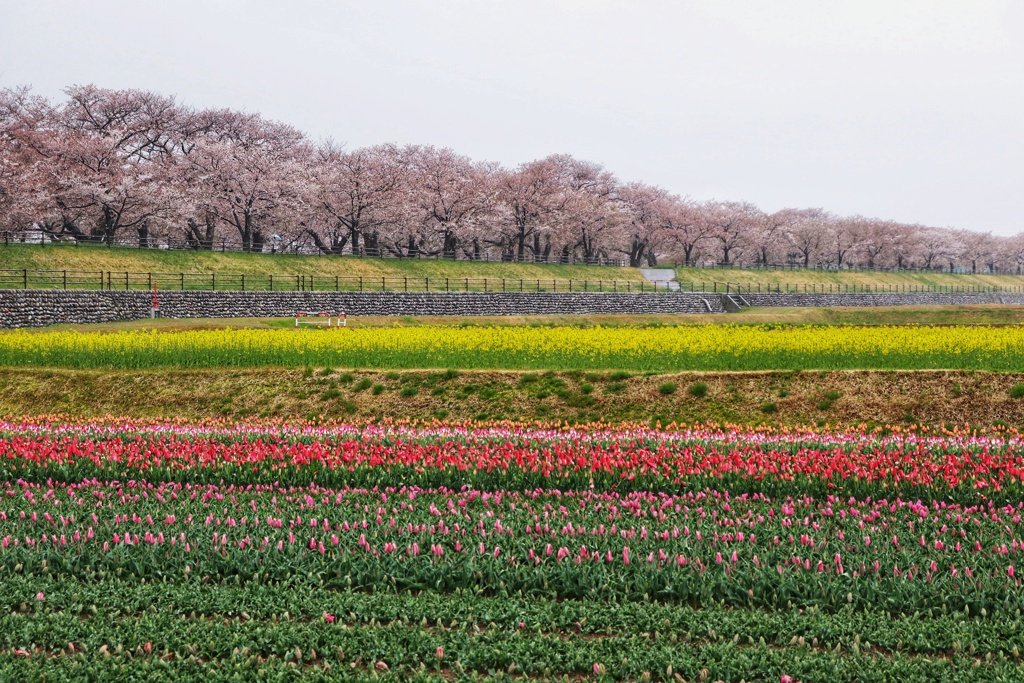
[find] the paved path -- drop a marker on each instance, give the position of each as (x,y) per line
(661,275)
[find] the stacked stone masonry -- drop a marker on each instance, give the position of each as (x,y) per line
(36,308)
(885,299)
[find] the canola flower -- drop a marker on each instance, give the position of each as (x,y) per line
(664,349)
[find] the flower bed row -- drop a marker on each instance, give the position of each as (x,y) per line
(662,349)
(962,468)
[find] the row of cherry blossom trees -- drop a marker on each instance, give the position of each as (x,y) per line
(130,166)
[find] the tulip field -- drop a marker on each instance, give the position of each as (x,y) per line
(654,349)
(170,550)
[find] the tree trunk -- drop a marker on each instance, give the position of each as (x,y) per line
(450,244)
(371,244)
(637,249)
(201,239)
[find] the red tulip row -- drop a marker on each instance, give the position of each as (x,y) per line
(631,459)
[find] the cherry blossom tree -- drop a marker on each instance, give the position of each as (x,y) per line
(806,233)
(874,240)
(976,248)
(906,244)
(1015,252)
(20,180)
(103,154)
(251,174)
(732,224)
(449,193)
(528,199)
(936,246)
(685,227)
(645,222)
(359,194)
(766,231)
(587,213)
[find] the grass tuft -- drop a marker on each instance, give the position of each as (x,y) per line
(698,389)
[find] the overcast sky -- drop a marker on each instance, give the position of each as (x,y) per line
(904,109)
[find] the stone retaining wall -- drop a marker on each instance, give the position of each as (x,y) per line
(883,299)
(34,308)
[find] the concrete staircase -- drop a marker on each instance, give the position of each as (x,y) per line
(734,302)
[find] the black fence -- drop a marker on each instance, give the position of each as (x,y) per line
(253,282)
(848,268)
(244,282)
(804,288)
(301,249)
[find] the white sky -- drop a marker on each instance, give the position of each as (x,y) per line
(903,109)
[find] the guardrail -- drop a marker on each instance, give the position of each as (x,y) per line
(783,288)
(7,239)
(252,282)
(246,282)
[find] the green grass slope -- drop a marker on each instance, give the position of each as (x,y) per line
(94,258)
(847,277)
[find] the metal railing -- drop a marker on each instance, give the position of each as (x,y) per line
(804,288)
(258,282)
(854,267)
(7,239)
(251,282)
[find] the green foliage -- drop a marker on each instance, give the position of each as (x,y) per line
(698,389)
(363,384)
(667,388)
(830,398)
(1017,391)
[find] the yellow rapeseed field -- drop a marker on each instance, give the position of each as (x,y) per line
(710,347)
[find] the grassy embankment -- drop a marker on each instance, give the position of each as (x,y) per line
(784,398)
(95,258)
(846,277)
